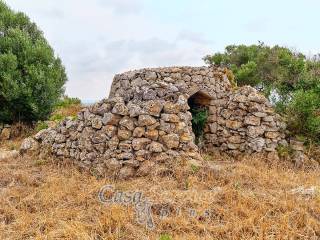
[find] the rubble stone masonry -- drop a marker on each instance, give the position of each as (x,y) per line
(146,119)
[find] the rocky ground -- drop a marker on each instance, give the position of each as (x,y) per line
(251,198)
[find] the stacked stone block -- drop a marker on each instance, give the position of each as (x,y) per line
(243,122)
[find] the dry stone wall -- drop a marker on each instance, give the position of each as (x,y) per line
(244,121)
(146,120)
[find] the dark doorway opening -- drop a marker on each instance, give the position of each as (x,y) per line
(198,104)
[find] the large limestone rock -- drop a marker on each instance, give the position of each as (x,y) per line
(29,144)
(146,120)
(171,140)
(5,133)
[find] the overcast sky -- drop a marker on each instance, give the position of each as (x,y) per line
(98,38)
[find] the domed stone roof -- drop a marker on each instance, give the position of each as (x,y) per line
(147,120)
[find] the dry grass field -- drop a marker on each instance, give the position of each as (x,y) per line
(251,198)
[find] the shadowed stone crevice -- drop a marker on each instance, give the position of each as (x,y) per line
(199,108)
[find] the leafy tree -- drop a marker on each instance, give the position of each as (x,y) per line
(303,113)
(266,68)
(289,79)
(31,76)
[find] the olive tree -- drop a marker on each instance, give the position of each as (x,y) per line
(32,78)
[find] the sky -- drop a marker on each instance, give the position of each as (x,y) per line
(98,38)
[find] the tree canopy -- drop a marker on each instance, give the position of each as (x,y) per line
(31,76)
(287,77)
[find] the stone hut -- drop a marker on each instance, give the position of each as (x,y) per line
(147,119)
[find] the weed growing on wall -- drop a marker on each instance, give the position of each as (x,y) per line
(199,119)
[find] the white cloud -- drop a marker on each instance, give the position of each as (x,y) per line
(98,66)
(123,6)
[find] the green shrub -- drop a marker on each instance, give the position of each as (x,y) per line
(303,114)
(57,117)
(284,151)
(263,67)
(194,168)
(165,237)
(199,119)
(66,101)
(289,79)
(31,76)
(41,125)
(74,117)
